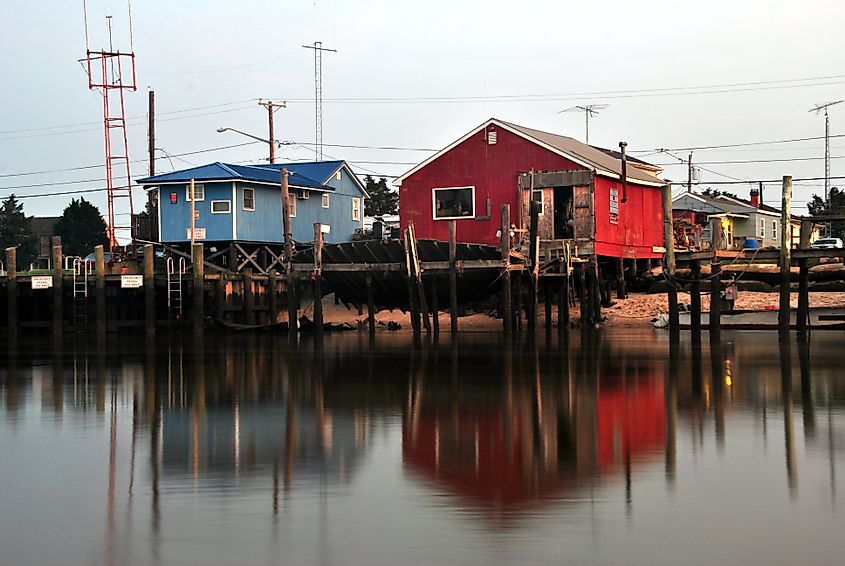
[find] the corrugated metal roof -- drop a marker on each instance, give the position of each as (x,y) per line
(306,175)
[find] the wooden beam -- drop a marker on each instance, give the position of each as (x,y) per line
(785,237)
(505,248)
(453,276)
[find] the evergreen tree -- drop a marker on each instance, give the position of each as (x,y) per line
(382,199)
(16,231)
(81,227)
(818,207)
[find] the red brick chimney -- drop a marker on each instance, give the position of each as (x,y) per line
(755,198)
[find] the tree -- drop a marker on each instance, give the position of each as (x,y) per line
(16,231)
(382,199)
(81,227)
(713,193)
(818,207)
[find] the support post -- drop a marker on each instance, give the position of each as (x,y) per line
(371,309)
(533,240)
(505,248)
(803,314)
(547,304)
(563,299)
(582,294)
(249,297)
(12,289)
(785,256)
(669,266)
(272,297)
(197,314)
(453,276)
(715,321)
(695,302)
(149,288)
(100,289)
(416,271)
(58,307)
(621,291)
(318,276)
(220,298)
(596,290)
(293,322)
(434,303)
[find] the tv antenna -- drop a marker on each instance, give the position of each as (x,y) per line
(590,111)
(318,95)
(817,109)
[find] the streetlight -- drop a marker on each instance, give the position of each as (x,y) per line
(271,143)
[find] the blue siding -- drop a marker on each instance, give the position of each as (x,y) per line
(176,218)
(264,224)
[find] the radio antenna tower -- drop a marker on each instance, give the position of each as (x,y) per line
(106,69)
(818,108)
(589,110)
(318,95)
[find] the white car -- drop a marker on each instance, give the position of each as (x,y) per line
(826,244)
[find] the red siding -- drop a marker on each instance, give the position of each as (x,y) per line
(493,171)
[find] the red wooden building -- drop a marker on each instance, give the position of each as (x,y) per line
(584,200)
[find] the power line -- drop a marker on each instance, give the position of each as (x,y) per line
(744,144)
(746,161)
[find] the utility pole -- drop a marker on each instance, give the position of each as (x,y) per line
(589,110)
(689,173)
(318,95)
(271,109)
(151,131)
(818,108)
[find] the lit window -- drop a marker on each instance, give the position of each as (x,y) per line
(221,206)
(337,175)
(453,202)
(325,200)
(199,192)
(249,199)
(292,204)
(356,209)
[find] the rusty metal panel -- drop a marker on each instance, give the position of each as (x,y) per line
(585,220)
(565,178)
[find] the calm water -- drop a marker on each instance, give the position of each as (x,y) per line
(241,450)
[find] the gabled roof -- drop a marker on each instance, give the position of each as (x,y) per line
(733,204)
(585,155)
(308,175)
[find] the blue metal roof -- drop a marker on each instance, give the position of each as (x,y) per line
(312,175)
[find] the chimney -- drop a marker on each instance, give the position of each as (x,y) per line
(755,198)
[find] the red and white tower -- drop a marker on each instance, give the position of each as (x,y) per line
(112,73)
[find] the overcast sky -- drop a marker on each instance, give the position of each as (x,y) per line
(420,75)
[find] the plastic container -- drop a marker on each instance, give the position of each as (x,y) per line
(751,244)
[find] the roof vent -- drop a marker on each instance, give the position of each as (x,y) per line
(491,137)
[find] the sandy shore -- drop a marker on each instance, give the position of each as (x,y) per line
(636,310)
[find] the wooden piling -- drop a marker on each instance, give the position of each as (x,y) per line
(290,280)
(220,298)
(505,248)
(695,301)
(100,289)
(272,297)
(621,291)
(785,242)
(715,321)
(547,304)
(58,307)
(582,294)
(669,257)
(434,305)
(12,289)
(416,272)
(371,310)
(249,297)
(563,298)
(803,315)
(533,253)
(197,313)
(453,276)
(318,276)
(596,290)
(149,289)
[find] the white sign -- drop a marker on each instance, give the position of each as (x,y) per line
(131,281)
(42,281)
(199,233)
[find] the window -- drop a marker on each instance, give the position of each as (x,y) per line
(199,192)
(761,229)
(453,203)
(292,204)
(337,175)
(537,196)
(774,229)
(325,200)
(356,209)
(221,207)
(249,199)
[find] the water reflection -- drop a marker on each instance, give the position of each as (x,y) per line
(503,432)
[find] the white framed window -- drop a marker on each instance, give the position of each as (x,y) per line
(537,196)
(292,205)
(356,209)
(453,203)
(221,207)
(199,192)
(249,198)
(337,175)
(774,229)
(325,200)
(761,229)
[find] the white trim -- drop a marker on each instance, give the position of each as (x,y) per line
(221,211)
(292,204)
(234,210)
(325,201)
(243,198)
(505,126)
(357,200)
(188,192)
(263,183)
(434,203)
(158,190)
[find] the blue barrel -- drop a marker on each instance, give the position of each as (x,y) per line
(751,244)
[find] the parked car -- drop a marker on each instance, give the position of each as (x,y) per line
(92,258)
(826,244)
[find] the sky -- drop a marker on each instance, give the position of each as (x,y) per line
(417,76)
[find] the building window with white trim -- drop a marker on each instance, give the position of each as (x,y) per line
(761,230)
(774,229)
(356,209)
(249,199)
(325,200)
(199,192)
(221,207)
(452,203)
(292,204)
